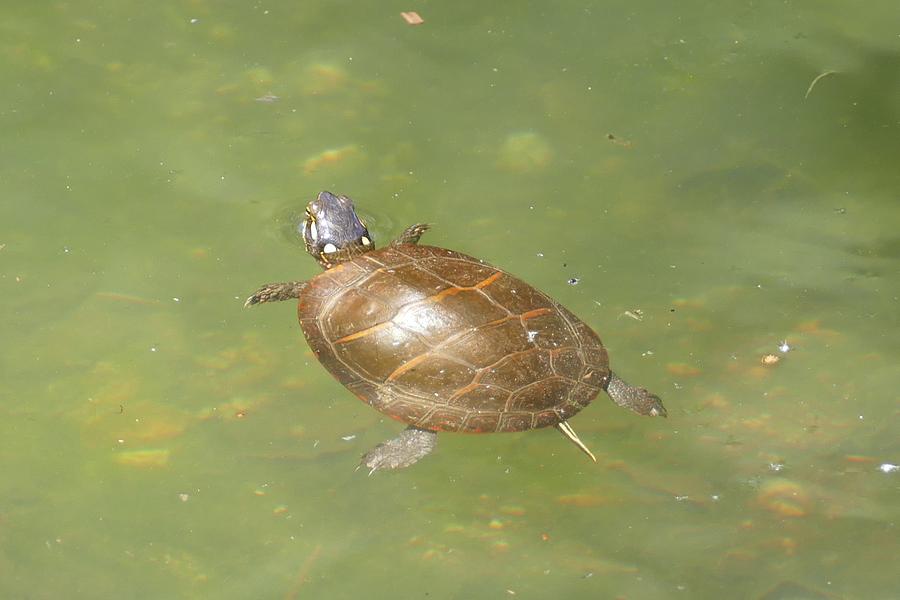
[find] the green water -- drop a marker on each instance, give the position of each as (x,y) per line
(159,441)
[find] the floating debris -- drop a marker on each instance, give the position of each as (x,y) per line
(574,280)
(268,98)
(815,81)
(412,18)
(770,360)
(784,347)
(636,314)
(888,468)
(619,141)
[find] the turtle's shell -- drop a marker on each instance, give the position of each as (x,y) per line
(443,341)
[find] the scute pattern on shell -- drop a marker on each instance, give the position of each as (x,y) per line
(443,341)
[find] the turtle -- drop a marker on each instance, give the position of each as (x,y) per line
(440,340)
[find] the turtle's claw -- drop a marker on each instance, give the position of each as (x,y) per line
(254,299)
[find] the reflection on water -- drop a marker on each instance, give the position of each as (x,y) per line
(161,440)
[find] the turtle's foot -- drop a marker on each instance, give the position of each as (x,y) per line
(635,399)
(411,234)
(402,451)
(272,292)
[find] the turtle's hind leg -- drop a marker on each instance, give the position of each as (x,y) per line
(272,292)
(633,398)
(402,451)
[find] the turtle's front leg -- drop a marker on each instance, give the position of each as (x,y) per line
(272,292)
(402,451)
(411,234)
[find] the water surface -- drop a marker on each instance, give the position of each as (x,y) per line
(719,179)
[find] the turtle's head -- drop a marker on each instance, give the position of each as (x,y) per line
(332,231)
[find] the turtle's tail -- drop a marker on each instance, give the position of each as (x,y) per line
(567,431)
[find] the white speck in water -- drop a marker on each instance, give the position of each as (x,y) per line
(176,299)
(540,255)
(681,498)
(153,348)
(784,347)
(776,466)
(888,468)
(715,497)
(194,21)
(347,438)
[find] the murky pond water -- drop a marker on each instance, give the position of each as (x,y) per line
(722,182)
